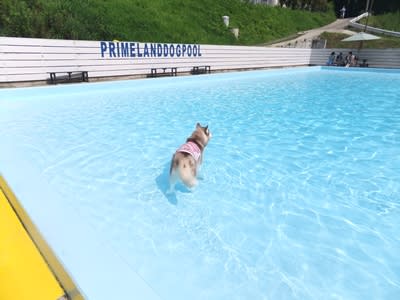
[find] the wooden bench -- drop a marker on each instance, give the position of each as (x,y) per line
(200,70)
(154,72)
(64,77)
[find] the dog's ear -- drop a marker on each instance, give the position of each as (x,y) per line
(198,125)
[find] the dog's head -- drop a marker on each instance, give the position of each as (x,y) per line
(201,135)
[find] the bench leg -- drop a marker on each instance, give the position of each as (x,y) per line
(52,78)
(85,76)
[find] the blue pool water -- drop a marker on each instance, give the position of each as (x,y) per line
(300,197)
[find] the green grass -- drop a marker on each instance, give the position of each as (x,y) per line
(334,41)
(179,21)
(388,21)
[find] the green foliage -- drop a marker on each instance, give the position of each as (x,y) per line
(180,21)
(388,21)
(313,5)
(357,7)
(334,41)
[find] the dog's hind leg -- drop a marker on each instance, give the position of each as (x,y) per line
(199,173)
(173,177)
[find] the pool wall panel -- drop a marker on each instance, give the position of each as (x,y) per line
(27,59)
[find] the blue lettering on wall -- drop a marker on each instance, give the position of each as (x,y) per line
(132,46)
(146,51)
(178,50)
(111,47)
(153,50)
(139,54)
(183,50)
(125,49)
(118,54)
(103,48)
(159,50)
(165,50)
(118,49)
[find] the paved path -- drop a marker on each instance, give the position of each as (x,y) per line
(338,26)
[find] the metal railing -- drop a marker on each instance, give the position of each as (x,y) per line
(353,23)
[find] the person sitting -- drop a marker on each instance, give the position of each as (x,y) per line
(339,60)
(364,63)
(351,60)
(331,59)
(355,61)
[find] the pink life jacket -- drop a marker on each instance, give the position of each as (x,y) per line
(192,149)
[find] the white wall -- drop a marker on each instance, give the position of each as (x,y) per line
(382,58)
(269,2)
(24,59)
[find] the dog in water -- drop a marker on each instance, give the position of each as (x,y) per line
(186,161)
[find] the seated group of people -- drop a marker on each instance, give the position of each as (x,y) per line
(350,60)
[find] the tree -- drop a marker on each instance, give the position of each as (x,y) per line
(313,5)
(357,7)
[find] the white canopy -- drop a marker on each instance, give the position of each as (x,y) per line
(361,36)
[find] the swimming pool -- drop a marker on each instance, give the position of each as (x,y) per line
(300,197)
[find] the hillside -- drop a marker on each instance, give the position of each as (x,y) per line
(179,21)
(388,21)
(334,40)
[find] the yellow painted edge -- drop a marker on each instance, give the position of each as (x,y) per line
(27,264)
(23,272)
